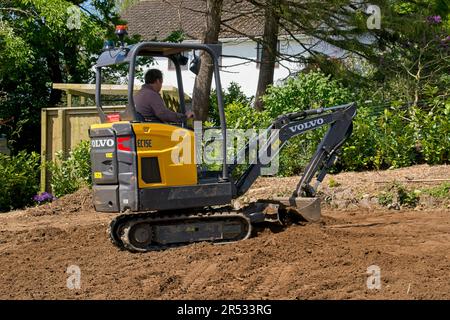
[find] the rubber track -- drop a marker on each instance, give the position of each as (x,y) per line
(122,219)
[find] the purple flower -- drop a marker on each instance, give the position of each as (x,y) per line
(43,197)
(434,19)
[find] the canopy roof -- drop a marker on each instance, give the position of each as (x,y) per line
(153,49)
(88,90)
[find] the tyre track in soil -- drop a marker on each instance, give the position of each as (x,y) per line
(274,281)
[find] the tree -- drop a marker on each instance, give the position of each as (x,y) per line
(123,5)
(42,42)
(202,86)
(269,50)
(416,57)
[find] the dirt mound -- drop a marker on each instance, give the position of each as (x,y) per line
(350,190)
(361,190)
(71,203)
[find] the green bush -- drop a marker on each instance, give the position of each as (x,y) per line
(433,133)
(398,137)
(311,90)
(19,180)
(232,95)
(360,149)
(71,173)
(384,136)
(394,140)
(440,191)
(243,116)
(306,91)
(396,195)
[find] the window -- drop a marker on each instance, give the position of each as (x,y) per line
(259,48)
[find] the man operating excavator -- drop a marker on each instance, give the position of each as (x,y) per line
(151,106)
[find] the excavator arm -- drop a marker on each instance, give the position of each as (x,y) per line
(146,231)
(287,126)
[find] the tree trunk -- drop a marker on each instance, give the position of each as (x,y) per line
(202,86)
(269,51)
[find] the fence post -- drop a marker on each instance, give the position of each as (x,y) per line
(43,149)
(62,130)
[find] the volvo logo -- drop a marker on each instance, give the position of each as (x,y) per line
(101,143)
(306,125)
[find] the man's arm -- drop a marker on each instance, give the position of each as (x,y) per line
(164,114)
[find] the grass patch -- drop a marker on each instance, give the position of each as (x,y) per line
(442,191)
(396,195)
(333,183)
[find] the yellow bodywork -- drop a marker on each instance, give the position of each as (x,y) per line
(174,148)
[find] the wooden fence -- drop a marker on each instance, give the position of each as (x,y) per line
(62,129)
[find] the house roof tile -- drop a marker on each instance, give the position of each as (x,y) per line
(156,19)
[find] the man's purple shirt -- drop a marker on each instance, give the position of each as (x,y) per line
(150,105)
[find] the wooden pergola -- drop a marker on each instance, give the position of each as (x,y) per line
(88,91)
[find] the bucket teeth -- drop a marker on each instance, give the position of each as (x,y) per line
(278,209)
(306,208)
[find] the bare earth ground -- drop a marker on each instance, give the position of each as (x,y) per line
(326,260)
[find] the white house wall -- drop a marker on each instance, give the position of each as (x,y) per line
(243,72)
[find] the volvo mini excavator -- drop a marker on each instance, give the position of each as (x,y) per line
(165,203)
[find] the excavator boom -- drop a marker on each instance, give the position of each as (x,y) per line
(145,231)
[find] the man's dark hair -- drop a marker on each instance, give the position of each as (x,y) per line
(152,75)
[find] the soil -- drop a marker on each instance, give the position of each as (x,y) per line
(325,260)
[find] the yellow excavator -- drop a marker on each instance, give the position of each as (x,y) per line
(166,202)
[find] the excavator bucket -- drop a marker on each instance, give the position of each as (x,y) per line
(306,208)
(275,210)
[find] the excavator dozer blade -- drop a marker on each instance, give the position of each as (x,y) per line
(306,208)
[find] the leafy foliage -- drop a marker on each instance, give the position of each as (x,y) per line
(397,195)
(40,44)
(306,91)
(233,94)
(384,136)
(433,133)
(243,116)
(398,137)
(19,180)
(441,191)
(71,173)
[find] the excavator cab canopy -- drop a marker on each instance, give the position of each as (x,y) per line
(173,51)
